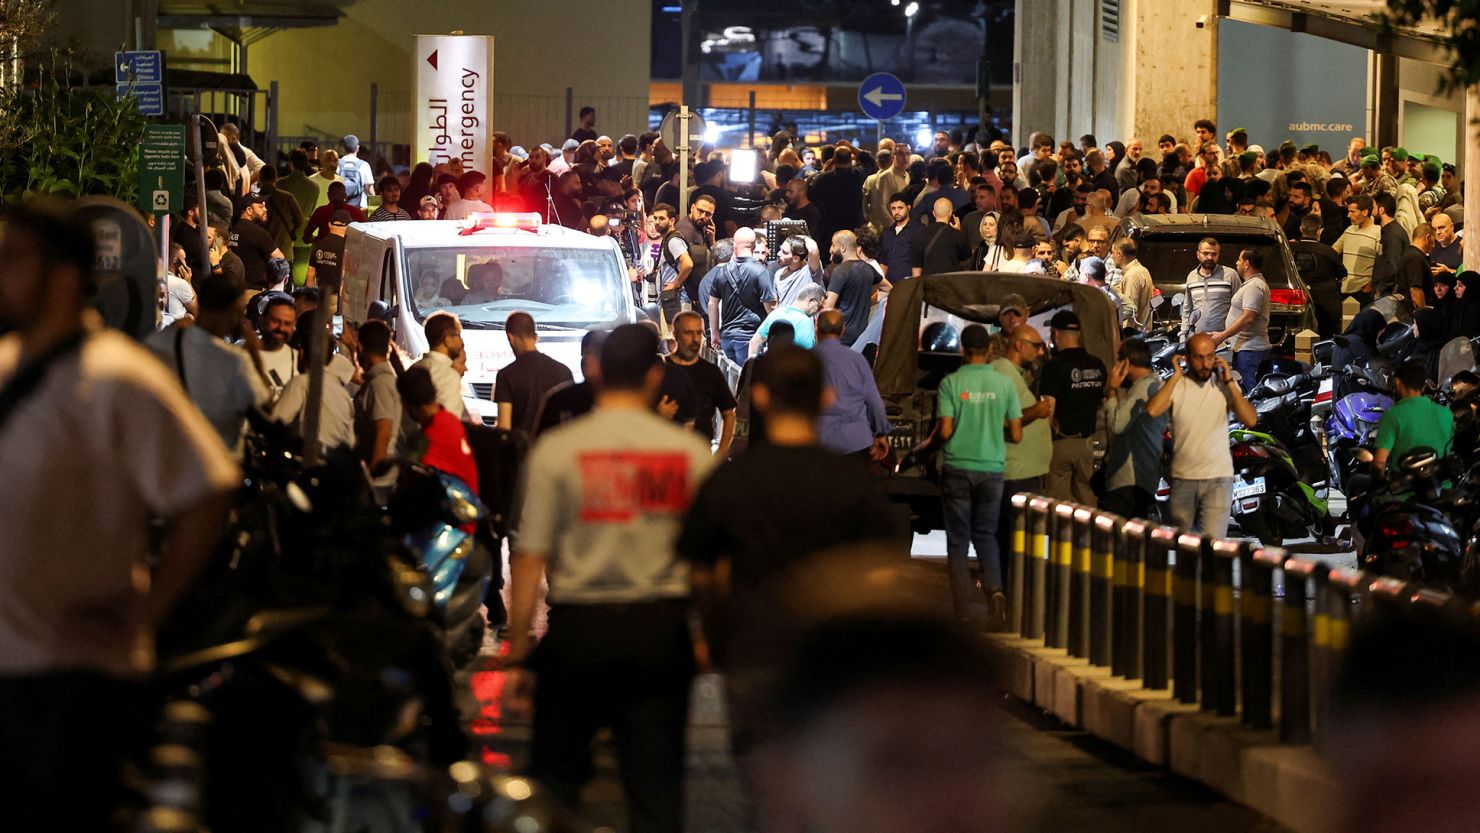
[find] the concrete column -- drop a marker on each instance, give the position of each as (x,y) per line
(1471,177)
(1386,96)
(1036,71)
(1169,66)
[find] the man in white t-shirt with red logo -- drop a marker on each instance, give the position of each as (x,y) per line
(604,498)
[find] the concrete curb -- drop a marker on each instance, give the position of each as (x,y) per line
(1290,784)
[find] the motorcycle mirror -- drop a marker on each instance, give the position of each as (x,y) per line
(1195,317)
(1157,301)
(1179,299)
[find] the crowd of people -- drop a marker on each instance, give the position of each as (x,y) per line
(649,487)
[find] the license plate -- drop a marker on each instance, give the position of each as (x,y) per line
(1251,488)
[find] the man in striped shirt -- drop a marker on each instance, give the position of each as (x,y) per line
(1210,289)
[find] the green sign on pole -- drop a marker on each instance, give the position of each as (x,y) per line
(162,169)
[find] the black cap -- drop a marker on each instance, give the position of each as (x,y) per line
(245,201)
(1064,320)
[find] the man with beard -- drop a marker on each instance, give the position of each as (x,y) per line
(1200,394)
(711,390)
(252,243)
(444,346)
(275,325)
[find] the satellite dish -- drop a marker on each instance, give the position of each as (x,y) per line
(125,266)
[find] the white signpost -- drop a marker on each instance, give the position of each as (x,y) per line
(452,101)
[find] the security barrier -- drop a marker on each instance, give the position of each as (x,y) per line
(1240,630)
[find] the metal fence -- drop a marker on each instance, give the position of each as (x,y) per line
(1196,614)
(253,111)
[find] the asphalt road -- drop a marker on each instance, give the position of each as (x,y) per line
(1075,781)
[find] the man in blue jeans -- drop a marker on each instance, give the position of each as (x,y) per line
(977,410)
(1248,319)
(1200,396)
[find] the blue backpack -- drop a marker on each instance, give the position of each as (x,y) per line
(354,187)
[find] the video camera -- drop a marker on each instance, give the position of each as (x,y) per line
(778,230)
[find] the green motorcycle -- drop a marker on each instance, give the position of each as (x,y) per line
(1270,501)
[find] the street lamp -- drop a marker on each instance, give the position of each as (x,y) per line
(911,9)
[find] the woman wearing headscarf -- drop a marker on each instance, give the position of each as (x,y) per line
(1467,294)
(989,254)
(1114,152)
(1446,304)
(1430,336)
(1358,341)
(1220,194)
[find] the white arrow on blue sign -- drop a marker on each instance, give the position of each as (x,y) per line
(881,96)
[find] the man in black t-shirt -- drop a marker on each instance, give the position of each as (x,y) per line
(587,131)
(186,233)
(838,194)
(568,400)
(740,519)
(1322,269)
(897,242)
(741,294)
(711,391)
(1076,381)
(941,246)
(326,261)
(850,286)
(251,242)
(521,386)
(799,206)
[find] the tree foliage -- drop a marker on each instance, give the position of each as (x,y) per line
(1461,22)
(23,24)
(57,138)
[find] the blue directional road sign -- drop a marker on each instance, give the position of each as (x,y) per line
(141,74)
(143,67)
(150,97)
(881,96)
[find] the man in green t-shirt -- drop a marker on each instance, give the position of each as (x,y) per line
(1414,421)
(977,414)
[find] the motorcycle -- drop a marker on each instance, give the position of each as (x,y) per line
(312,638)
(1271,501)
(1285,404)
(1365,395)
(1412,527)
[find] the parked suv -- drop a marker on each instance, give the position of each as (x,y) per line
(1166,244)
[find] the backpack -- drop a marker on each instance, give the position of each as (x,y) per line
(354,186)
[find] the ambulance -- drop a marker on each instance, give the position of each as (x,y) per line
(481,270)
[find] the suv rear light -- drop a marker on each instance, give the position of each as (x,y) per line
(1288,297)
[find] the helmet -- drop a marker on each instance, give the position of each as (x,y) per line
(1394,339)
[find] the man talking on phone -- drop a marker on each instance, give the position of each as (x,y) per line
(1200,396)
